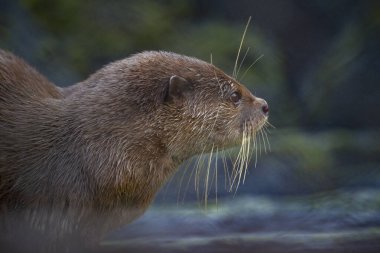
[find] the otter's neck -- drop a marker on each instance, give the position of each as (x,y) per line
(125,158)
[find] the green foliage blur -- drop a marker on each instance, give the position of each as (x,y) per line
(315,62)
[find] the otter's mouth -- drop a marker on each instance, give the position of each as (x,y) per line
(253,125)
(249,128)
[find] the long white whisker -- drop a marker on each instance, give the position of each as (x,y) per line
(269,124)
(187,166)
(216,177)
(255,141)
(198,167)
(241,63)
(207,176)
(250,66)
(263,140)
(267,139)
(188,183)
(241,44)
(247,156)
(237,162)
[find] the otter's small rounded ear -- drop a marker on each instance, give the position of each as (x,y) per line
(178,88)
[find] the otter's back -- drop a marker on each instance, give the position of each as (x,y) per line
(24,98)
(19,81)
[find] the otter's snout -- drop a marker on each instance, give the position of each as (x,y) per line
(264,105)
(265,108)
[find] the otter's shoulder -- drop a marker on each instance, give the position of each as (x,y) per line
(18,80)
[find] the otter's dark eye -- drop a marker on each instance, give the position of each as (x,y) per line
(235,97)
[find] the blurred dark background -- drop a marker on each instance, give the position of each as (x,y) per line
(319,72)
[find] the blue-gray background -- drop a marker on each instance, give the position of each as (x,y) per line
(319,73)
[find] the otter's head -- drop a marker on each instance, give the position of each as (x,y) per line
(159,105)
(209,108)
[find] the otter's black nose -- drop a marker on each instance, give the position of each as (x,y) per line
(265,108)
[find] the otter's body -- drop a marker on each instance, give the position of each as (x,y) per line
(89,158)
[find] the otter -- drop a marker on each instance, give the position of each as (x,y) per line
(77,162)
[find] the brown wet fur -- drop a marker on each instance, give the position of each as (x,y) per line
(80,161)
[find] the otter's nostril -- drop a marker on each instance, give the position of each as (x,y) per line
(265,109)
